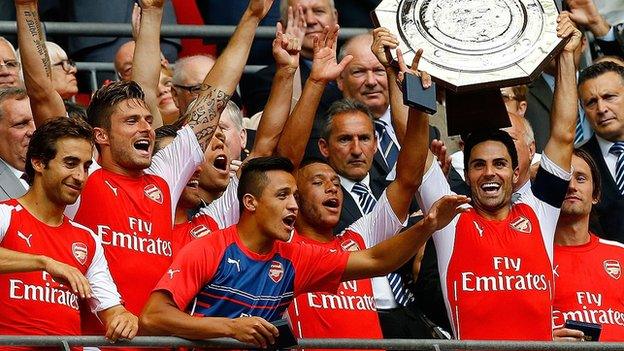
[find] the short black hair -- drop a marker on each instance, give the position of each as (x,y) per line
(164,131)
(253,177)
(42,145)
(481,136)
(344,106)
(598,69)
(595,173)
(75,110)
(311,160)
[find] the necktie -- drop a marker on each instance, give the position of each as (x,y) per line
(365,198)
(389,149)
(618,150)
(367,201)
(579,135)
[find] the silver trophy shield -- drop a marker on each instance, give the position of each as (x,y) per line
(474,44)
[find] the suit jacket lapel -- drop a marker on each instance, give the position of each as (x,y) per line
(9,182)
(348,204)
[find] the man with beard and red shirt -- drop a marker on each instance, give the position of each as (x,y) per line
(130,201)
(495,260)
(588,269)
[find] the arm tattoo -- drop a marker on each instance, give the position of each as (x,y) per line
(204,112)
(34,28)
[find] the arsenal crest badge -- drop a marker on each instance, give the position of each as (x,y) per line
(80,252)
(613,269)
(521,224)
(199,231)
(350,245)
(276,272)
(154,193)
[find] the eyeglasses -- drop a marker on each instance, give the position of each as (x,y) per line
(508,98)
(10,64)
(192,89)
(67,65)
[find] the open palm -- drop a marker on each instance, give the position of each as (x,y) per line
(325,67)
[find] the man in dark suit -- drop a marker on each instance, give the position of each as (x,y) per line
(16,128)
(601,90)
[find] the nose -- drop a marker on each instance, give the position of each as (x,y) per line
(370,79)
(31,129)
(218,140)
(331,188)
(601,106)
(488,170)
(292,204)
(310,17)
(356,148)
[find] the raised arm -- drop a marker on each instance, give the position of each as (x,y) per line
(14,261)
(286,48)
(161,316)
(564,110)
(146,60)
(219,84)
(325,68)
(409,167)
(392,253)
(45,102)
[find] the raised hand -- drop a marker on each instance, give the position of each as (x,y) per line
(425,78)
(585,13)
(68,275)
(444,210)
(438,148)
(567,29)
(152,3)
(259,8)
(254,330)
(286,48)
(383,41)
(296,25)
(136,21)
(325,67)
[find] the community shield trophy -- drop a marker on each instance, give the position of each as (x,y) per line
(474,44)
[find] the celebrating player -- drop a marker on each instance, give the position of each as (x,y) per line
(247,274)
(495,260)
(39,300)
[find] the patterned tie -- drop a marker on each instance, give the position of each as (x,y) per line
(389,149)
(618,150)
(579,135)
(367,201)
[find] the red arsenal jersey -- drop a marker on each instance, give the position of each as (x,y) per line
(588,286)
(134,219)
(199,226)
(497,276)
(327,315)
(33,303)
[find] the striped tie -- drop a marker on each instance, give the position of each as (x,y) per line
(389,149)
(579,135)
(618,150)
(367,201)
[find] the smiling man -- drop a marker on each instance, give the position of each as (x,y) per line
(601,90)
(501,251)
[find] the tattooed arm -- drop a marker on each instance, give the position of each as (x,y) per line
(146,63)
(45,102)
(219,84)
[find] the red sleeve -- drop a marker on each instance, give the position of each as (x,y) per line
(318,268)
(191,269)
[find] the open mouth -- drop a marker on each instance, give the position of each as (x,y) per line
(220,163)
(142,145)
(194,184)
(490,188)
(332,203)
(289,221)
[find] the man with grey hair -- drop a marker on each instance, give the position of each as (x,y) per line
(9,65)
(255,90)
(16,129)
(188,75)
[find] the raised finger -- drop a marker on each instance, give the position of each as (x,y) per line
(290,17)
(400,60)
(416,59)
(332,38)
(425,79)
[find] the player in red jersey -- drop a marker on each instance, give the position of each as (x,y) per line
(130,201)
(217,269)
(587,269)
(42,303)
(326,315)
(495,260)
